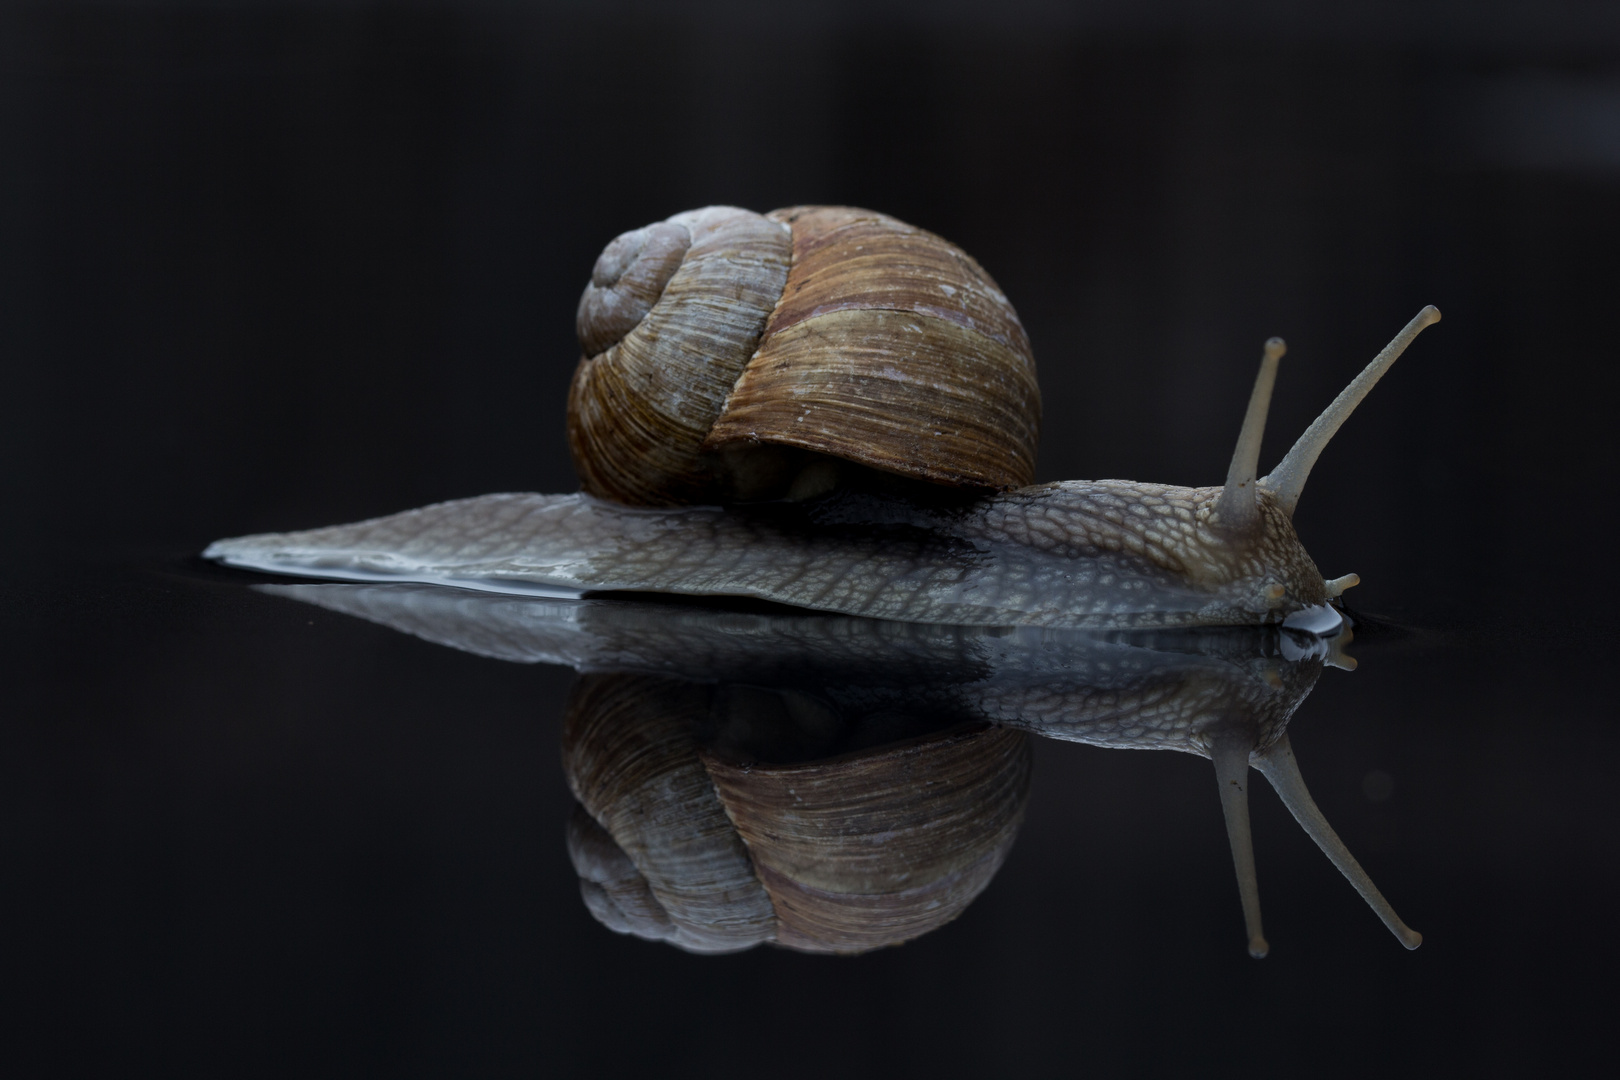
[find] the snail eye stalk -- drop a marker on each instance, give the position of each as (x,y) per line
(1237,508)
(1287,480)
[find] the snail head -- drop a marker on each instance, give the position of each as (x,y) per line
(1255,516)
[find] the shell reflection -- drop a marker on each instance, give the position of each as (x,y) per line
(836,784)
(716,851)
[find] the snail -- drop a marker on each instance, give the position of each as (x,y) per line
(827,408)
(672,696)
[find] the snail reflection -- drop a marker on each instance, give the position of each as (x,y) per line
(837,784)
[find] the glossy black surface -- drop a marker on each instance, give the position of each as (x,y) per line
(271,268)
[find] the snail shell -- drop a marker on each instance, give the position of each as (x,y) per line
(868,849)
(734,355)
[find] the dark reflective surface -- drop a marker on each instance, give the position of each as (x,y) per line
(271,268)
(232,814)
(850,765)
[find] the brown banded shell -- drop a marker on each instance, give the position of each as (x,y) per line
(843,855)
(631,757)
(676,332)
(727,353)
(880,847)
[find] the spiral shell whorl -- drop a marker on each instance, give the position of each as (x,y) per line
(631,758)
(629,277)
(639,411)
(612,887)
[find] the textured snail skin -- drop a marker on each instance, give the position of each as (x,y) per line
(1105,554)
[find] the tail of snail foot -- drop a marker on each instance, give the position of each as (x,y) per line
(1279,766)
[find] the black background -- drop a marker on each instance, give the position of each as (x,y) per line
(266,266)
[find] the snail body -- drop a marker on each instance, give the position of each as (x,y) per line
(1071,554)
(827,408)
